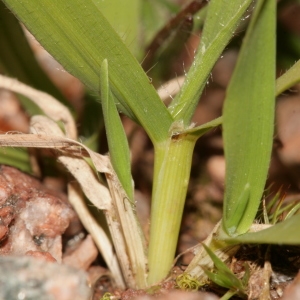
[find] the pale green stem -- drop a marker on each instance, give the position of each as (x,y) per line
(171,177)
(228,295)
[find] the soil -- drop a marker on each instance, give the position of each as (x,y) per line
(45,252)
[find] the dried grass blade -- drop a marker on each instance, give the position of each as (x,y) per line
(103,243)
(51,107)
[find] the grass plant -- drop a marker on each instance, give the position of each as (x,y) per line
(81,35)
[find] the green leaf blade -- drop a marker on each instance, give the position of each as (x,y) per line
(77,34)
(219,264)
(124,16)
(17,59)
(283,233)
(249,118)
(116,138)
(16,157)
(221,21)
(198,131)
(288,79)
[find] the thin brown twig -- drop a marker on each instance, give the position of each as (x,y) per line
(185,13)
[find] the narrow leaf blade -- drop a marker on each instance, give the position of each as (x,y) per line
(222,19)
(202,129)
(219,264)
(288,79)
(16,157)
(283,233)
(117,141)
(17,60)
(249,117)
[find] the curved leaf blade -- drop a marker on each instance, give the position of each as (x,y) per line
(283,233)
(77,34)
(222,19)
